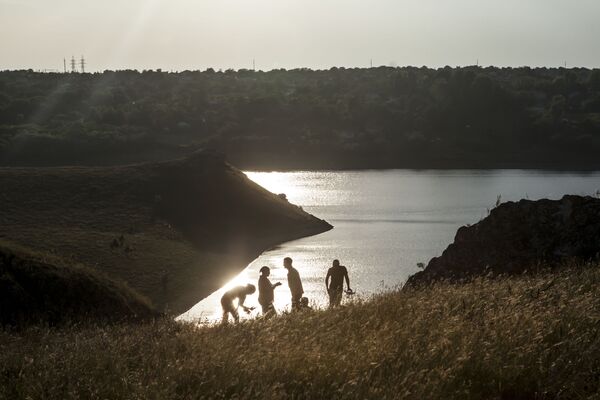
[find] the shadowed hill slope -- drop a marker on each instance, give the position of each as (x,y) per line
(37,287)
(174,231)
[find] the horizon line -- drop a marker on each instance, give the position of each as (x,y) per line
(258,70)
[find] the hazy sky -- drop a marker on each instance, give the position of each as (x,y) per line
(196,34)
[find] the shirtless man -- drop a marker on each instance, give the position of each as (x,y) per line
(337,273)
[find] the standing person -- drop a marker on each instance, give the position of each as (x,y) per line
(266,293)
(239,293)
(294,283)
(337,273)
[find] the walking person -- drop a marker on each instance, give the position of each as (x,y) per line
(294,282)
(227,301)
(334,283)
(266,292)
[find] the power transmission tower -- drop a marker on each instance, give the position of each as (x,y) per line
(82,63)
(73,65)
(371,63)
(253,64)
(65,65)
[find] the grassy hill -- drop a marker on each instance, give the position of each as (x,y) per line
(40,288)
(174,231)
(523,337)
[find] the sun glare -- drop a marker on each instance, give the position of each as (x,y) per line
(279,182)
(135,32)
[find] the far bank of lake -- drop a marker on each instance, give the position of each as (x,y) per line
(385,222)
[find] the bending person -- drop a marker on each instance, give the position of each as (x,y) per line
(266,292)
(337,273)
(239,293)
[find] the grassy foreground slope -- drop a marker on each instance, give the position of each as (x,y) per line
(174,231)
(523,337)
(37,287)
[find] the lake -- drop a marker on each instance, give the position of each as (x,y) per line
(385,222)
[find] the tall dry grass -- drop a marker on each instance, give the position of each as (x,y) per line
(526,337)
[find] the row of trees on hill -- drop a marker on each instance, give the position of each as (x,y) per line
(339,118)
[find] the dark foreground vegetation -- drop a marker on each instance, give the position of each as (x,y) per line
(301,119)
(174,231)
(42,288)
(520,337)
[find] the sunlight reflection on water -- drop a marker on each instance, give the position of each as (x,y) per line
(385,222)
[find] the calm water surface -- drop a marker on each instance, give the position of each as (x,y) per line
(385,222)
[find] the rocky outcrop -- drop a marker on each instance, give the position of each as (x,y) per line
(517,236)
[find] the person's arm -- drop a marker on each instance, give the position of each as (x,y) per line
(327,277)
(347,279)
(276,284)
(297,285)
(242,298)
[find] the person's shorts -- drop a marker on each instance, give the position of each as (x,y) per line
(227,305)
(268,308)
(335,296)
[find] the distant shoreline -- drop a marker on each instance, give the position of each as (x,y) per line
(557,170)
(379,118)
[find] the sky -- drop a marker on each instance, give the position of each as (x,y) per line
(197,34)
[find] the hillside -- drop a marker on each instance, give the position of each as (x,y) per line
(524,337)
(353,118)
(174,231)
(519,236)
(41,288)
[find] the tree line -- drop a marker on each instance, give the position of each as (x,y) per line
(383,117)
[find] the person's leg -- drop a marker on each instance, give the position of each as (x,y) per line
(338,297)
(271,312)
(236,315)
(295,303)
(268,309)
(227,308)
(331,293)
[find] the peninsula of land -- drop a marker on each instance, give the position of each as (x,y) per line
(172,231)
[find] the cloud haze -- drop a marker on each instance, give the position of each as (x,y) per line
(196,34)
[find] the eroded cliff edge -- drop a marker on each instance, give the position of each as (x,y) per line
(520,236)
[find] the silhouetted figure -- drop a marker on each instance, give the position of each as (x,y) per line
(304,304)
(294,283)
(335,287)
(239,293)
(266,292)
